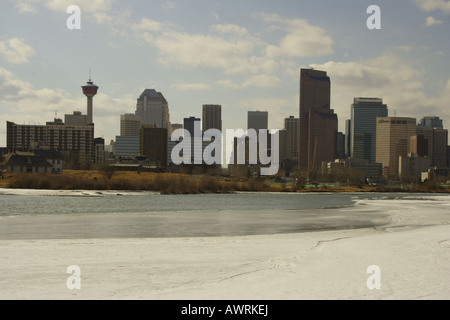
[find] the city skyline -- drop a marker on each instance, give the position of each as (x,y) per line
(243,59)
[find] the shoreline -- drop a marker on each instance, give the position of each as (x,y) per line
(168,183)
(13,191)
(365,190)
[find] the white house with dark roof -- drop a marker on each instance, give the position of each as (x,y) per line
(55,158)
(39,161)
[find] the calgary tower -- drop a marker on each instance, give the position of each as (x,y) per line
(89,90)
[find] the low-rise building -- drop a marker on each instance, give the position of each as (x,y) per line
(36,161)
(370,170)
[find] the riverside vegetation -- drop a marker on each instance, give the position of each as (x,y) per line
(164,183)
(171,183)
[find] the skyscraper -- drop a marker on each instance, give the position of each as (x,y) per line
(292,126)
(192,125)
(153,109)
(154,144)
(130,125)
(318,123)
(258,120)
(340,146)
(348,137)
(432,122)
(212,117)
(363,127)
(431,128)
(393,140)
(128,143)
(440,143)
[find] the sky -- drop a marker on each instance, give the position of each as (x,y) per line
(244,55)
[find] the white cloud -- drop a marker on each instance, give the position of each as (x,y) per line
(302,40)
(262,81)
(27,99)
(434,5)
(389,77)
(103,18)
(432,21)
(90,6)
(198,50)
(229,47)
(229,84)
(258,81)
(85,5)
(118,24)
(182,86)
(231,29)
(147,25)
(26,5)
(16,51)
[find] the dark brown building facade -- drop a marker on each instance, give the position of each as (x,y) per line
(154,144)
(318,122)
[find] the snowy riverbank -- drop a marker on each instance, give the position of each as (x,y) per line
(412,251)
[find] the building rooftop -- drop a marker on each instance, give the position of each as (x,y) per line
(24,160)
(152,94)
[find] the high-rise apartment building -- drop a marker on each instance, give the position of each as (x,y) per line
(318,123)
(212,117)
(153,109)
(393,141)
(54,136)
(363,127)
(130,125)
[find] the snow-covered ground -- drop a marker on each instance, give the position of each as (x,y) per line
(66,193)
(412,252)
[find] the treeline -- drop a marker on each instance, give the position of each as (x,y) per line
(163,183)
